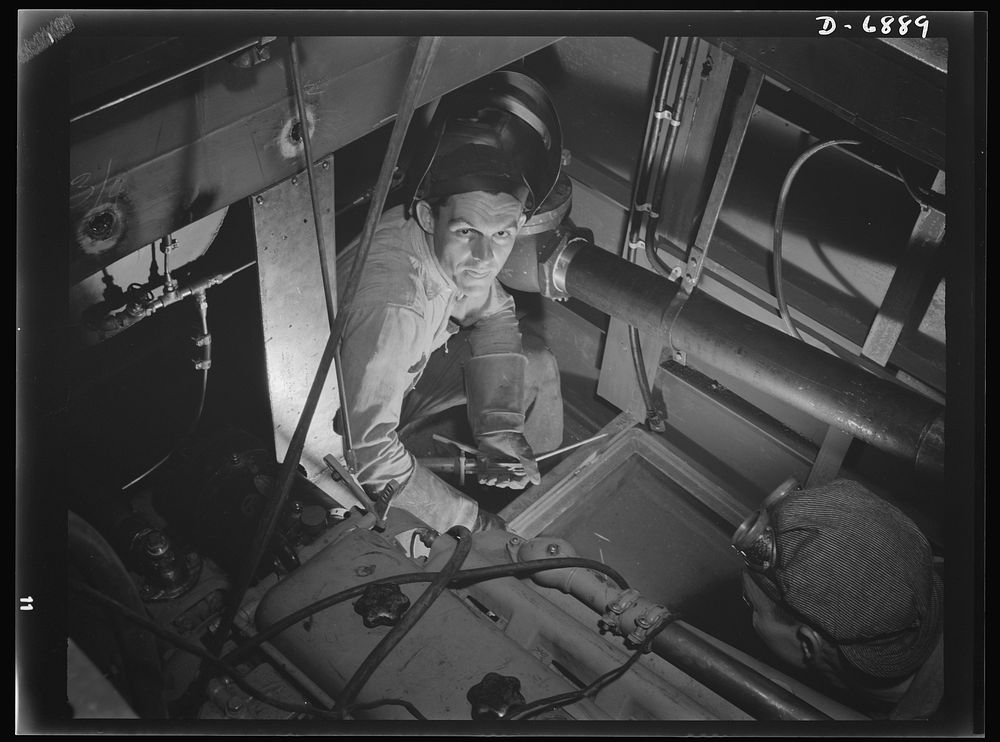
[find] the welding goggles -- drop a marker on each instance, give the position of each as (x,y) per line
(755,540)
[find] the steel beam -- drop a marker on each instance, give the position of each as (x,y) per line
(169,156)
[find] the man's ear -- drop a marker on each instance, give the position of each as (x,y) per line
(425,216)
(521,220)
(810,643)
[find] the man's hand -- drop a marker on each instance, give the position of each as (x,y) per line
(499,449)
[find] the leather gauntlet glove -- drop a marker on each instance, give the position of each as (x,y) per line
(435,502)
(498,449)
(495,391)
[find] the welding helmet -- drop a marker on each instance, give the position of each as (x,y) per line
(499,133)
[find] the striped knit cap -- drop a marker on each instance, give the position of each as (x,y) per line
(860,570)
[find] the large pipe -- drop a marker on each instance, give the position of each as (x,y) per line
(879,412)
(738,683)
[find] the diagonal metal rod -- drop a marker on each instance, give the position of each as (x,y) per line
(423,57)
(328,271)
(328,268)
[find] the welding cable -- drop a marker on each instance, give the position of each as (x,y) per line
(463,577)
(564,699)
(409,619)
(779,218)
(204,363)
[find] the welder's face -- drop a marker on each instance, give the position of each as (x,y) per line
(472,236)
(780,637)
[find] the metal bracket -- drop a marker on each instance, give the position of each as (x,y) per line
(653,616)
(742,116)
(258,53)
(670,316)
(340,473)
(648,208)
(612,618)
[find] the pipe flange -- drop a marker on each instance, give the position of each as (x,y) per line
(552,270)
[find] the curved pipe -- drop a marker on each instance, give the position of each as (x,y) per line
(779,221)
(879,412)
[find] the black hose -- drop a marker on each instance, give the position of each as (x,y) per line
(779,218)
(465,576)
(408,621)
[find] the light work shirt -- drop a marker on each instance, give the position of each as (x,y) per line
(404,309)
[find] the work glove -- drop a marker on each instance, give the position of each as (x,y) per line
(496,449)
(434,501)
(494,386)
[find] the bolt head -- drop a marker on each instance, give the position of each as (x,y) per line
(552,549)
(259,200)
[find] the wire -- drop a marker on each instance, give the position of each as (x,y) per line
(408,621)
(924,200)
(779,218)
(564,699)
(644,177)
(202,302)
(465,576)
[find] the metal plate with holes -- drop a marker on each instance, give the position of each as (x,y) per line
(293,311)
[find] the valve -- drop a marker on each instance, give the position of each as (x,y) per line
(495,696)
(382,604)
